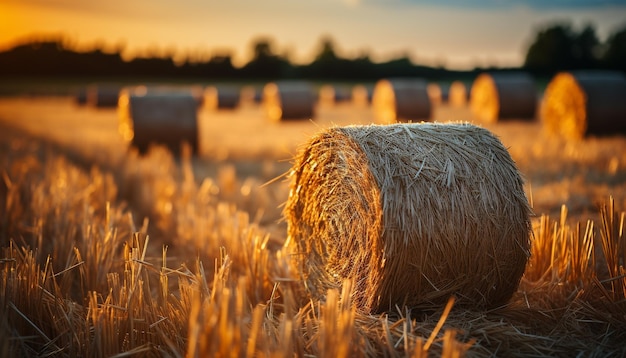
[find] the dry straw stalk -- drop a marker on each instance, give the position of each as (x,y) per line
(413,213)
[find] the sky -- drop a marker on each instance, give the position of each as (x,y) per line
(457,34)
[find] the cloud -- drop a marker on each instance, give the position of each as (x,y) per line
(352,3)
(503,4)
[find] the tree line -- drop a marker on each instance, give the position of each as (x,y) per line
(556,47)
(561,47)
(52,59)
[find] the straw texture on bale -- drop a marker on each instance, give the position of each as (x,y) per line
(401,100)
(458,94)
(103,96)
(581,103)
(413,213)
(503,96)
(288,100)
(161,116)
(224,97)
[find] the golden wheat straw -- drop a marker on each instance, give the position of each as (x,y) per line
(413,213)
(248,303)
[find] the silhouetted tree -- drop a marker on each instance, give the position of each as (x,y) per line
(265,63)
(585,50)
(551,50)
(52,58)
(558,47)
(615,55)
(262,48)
(327,50)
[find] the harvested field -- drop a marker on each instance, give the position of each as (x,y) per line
(108,253)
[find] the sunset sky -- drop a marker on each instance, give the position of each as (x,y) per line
(455,33)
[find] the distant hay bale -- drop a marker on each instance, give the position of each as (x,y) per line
(330,95)
(103,95)
(361,96)
(413,213)
(197,91)
(581,103)
(80,96)
(326,95)
(503,96)
(458,94)
(437,93)
(288,100)
(401,100)
(249,95)
(158,116)
(222,97)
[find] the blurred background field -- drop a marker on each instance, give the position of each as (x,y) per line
(557,171)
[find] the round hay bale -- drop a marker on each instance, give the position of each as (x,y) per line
(361,95)
(80,96)
(288,100)
(158,116)
(458,94)
(401,100)
(413,213)
(249,95)
(581,103)
(197,91)
(437,93)
(223,97)
(103,95)
(330,95)
(326,96)
(503,96)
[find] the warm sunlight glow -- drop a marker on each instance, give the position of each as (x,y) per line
(461,36)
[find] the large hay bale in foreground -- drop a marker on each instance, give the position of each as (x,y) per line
(503,96)
(223,97)
(401,99)
(458,94)
(103,95)
(288,100)
(413,213)
(581,103)
(158,116)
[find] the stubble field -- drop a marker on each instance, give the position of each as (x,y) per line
(108,253)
